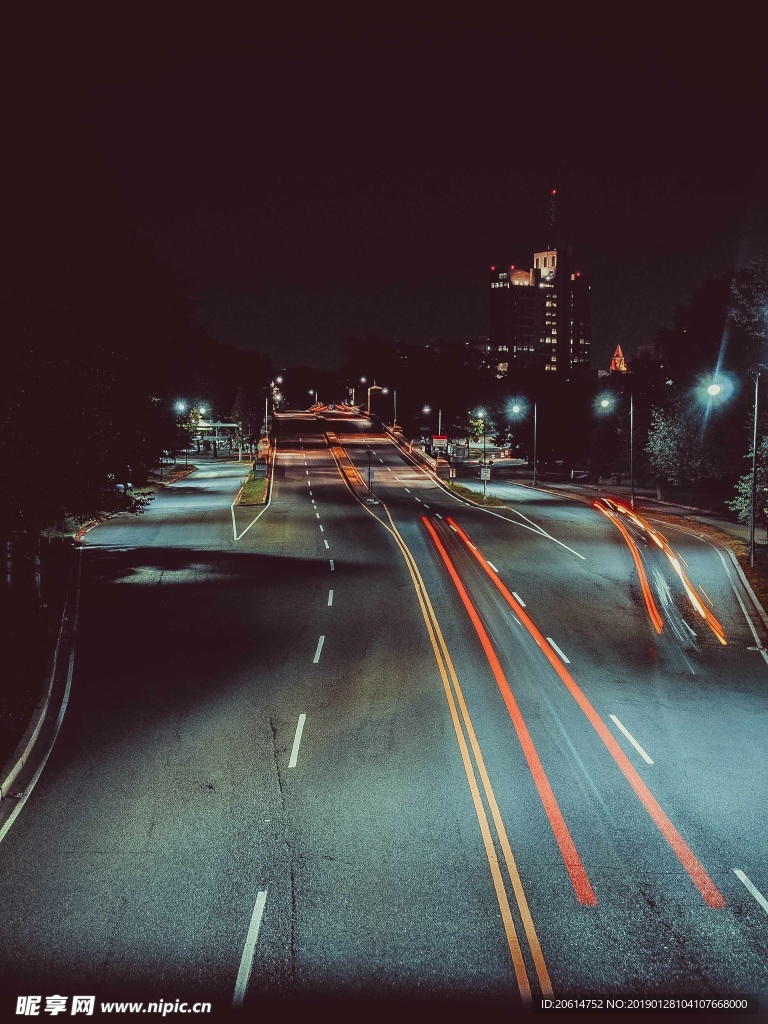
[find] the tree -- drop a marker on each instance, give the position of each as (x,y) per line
(749,296)
(686,445)
(742,502)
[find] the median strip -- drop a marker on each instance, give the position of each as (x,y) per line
(571,859)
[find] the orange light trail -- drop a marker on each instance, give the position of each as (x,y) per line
(661,541)
(575,868)
(683,852)
(650,604)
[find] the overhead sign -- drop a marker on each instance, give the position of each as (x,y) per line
(440,441)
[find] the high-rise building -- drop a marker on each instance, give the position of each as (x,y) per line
(540,318)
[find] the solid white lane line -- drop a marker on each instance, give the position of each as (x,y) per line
(326,543)
(320,643)
(519,599)
(755,892)
(631,739)
(758,641)
(246,960)
(62,711)
(297,740)
(330,598)
(556,648)
(332,566)
(492,566)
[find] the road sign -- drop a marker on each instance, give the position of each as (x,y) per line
(485,474)
(440,441)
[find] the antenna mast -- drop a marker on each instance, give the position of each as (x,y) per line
(552,195)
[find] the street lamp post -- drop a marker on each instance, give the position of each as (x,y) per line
(605,404)
(373,387)
(363,380)
(754,475)
(481,416)
(518,408)
(180,407)
(631,449)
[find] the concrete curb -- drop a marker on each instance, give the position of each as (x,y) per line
(436,479)
(747,586)
(25,746)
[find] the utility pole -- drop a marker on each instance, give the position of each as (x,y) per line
(754,475)
(631,449)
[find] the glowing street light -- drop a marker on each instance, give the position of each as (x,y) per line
(481,414)
(517,408)
(374,387)
(607,403)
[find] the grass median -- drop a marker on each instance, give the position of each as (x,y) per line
(476,496)
(254,490)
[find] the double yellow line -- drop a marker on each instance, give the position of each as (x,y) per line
(477,778)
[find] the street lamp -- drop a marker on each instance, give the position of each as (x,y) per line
(606,403)
(363,380)
(481,414)
(517,409)
(181,407)
(754,467)
(373,387)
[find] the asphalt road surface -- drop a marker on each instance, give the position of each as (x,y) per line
(406,753)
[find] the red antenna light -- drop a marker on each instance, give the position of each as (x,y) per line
(493,268)
(554,191)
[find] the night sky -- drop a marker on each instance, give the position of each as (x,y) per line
(323,175)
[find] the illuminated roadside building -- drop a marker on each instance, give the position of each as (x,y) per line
(540,318)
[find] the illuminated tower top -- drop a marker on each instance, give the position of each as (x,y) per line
(618,362)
